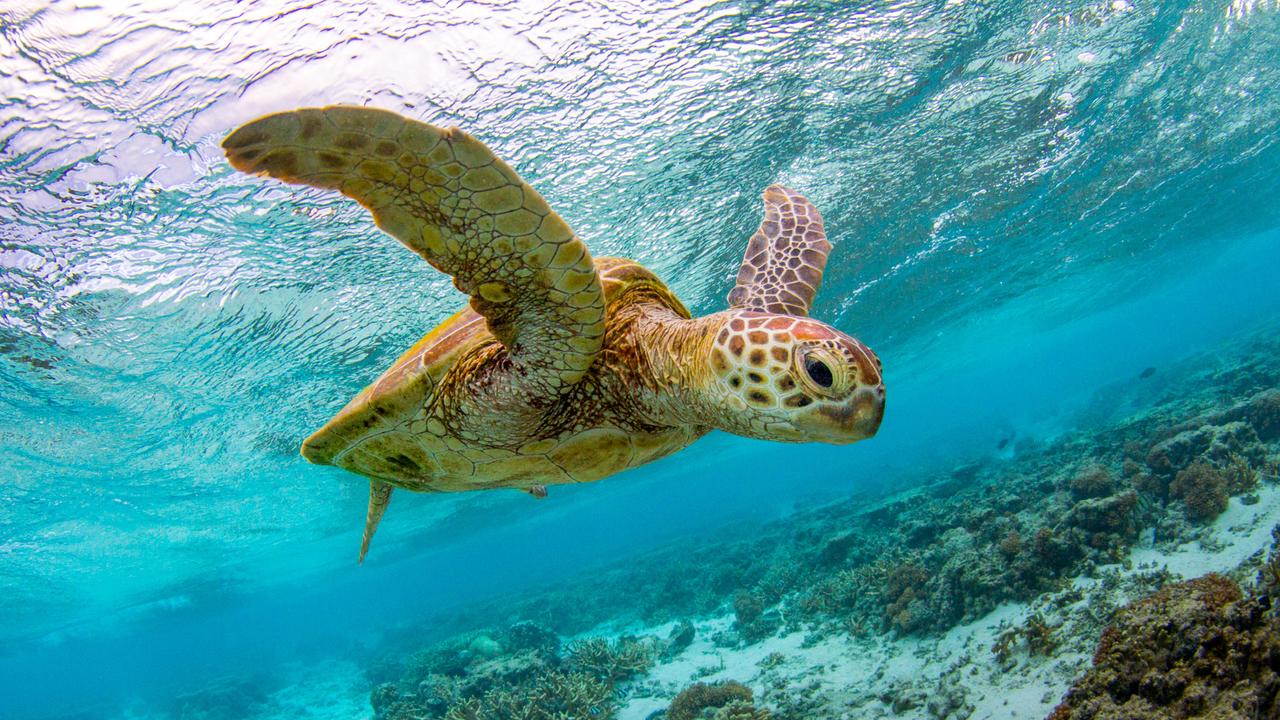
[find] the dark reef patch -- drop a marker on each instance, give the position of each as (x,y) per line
(1195,649)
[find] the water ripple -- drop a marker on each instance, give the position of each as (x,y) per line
(169,330)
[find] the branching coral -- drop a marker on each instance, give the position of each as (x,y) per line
(1035,632)
(518,674)
(552,696)
(609,662)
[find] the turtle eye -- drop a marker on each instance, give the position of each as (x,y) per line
(819,372)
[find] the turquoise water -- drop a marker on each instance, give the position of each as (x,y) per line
(1028,200)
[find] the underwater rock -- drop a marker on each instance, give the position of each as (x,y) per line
(691,703)
(511,669)
(681,638)
(1217,444)
(532,636)
(949,699)
(1056,550)
(1261,412)
(1193,649)
(837,549)
(1112,514)
(905,609)
(1011,545)
(229,698)
(447,657)
(484,647)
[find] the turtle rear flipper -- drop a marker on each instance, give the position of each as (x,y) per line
(451,200)
(379,498)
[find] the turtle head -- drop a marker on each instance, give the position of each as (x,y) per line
(795,379)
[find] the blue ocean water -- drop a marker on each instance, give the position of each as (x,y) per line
(1028,200)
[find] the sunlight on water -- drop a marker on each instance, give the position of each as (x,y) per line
(1028,199)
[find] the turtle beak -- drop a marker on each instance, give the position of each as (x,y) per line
(854,419)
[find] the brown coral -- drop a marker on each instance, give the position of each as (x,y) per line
(1093,481)
(691,701)
(1202,489)
(1011,545)
(1194,649)
(903,586)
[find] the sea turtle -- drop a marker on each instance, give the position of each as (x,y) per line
(564,368)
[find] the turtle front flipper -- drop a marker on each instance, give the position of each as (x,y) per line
(449,199)
(783,266)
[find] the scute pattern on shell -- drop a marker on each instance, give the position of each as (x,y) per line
(416,426)
(786,257)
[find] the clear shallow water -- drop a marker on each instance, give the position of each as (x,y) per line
(1027,200)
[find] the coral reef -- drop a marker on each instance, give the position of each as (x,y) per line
(752,621)
(1202,490)
(523,673)
(729,700)
(1035,634)
(553,695)
(221,699)
(957,545)
(1198,649)
(611,662)
(1091,482)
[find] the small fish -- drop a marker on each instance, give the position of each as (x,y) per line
(1146,373)
(1002,444)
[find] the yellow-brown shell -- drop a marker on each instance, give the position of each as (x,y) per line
(398,429)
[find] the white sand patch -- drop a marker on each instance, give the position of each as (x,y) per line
(869,677)
(1239,532)
(956,675)
(327,691)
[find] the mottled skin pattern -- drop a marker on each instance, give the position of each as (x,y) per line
(563,368)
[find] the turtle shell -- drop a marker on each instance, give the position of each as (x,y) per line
(372,435)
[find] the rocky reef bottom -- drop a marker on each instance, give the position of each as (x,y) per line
(1123,570)
(1119,571)
(1196,649)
